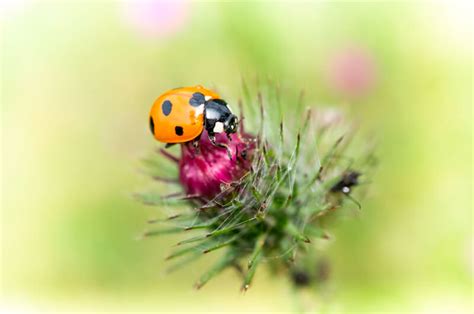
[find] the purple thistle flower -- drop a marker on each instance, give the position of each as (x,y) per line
(205,170)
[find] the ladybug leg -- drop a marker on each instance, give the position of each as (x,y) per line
(209,125)
(212,138)
(190,145)
(196,146)
(168,145)
(243,154)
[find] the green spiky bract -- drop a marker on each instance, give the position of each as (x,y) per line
(277,210)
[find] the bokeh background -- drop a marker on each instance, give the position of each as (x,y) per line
(78,79)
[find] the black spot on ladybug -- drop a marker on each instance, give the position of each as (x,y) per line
(152,126)
(178,130)
(197,100)
(166,107)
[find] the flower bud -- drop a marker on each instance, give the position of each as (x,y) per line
(205,169)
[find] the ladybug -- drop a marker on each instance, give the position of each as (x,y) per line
(180,115)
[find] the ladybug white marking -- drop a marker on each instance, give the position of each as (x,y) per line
(199,110)
(219,127)
(212,114)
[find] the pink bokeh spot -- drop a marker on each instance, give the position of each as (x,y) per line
(156,18)
(351,72)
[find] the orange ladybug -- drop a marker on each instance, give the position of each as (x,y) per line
(180,115)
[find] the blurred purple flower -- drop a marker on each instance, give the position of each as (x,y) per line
(351,72)
(156,18)
(205,171)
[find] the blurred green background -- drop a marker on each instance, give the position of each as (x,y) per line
(78,79)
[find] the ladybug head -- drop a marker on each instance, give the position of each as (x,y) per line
(230,124)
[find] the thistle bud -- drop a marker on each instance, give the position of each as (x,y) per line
(204,170)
